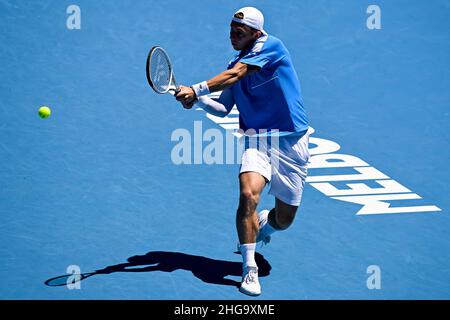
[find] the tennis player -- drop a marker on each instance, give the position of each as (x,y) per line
(261,81)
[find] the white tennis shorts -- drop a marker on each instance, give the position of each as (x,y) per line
(284,166)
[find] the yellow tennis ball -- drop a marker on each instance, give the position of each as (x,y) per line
(44,112)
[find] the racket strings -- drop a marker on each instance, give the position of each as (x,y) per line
(160,70)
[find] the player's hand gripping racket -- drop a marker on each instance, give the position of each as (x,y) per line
(160,72)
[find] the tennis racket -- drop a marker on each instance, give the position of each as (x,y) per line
(160,72)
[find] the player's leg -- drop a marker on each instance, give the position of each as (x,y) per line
(289,170)
(255,172)
(251,185)
(282,216)
(277,219)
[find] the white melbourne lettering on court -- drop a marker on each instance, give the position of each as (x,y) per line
(324,155)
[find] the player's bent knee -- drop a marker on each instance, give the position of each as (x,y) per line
(284,218)
(284,222)
(285,212)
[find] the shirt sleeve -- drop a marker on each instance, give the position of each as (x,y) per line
(263,55)
(217,103)
(255,59)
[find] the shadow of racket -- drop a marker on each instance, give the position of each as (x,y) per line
(68,279)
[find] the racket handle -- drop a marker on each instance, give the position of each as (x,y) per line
(177,90)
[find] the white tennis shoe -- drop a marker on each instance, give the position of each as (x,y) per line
(250,283)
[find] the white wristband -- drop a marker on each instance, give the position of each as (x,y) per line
(200,89)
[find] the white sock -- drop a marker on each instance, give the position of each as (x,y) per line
(248,254)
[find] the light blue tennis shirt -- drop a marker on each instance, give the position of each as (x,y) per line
(270,98)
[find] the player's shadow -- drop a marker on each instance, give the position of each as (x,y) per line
(206,269)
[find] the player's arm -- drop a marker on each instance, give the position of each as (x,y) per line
(223,80)
(218,104)
(229,77)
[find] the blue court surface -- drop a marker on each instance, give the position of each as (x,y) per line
(94,188)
